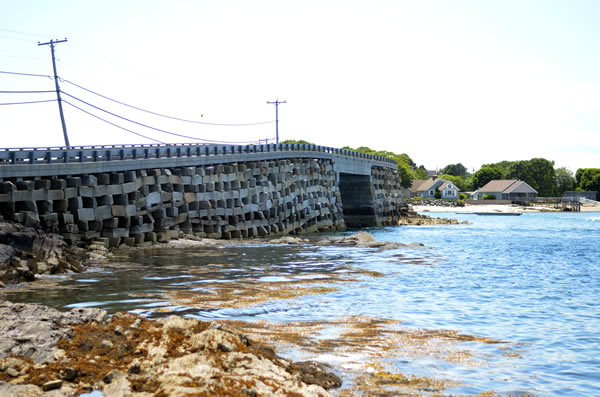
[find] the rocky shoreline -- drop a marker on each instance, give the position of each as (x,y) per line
(44,352)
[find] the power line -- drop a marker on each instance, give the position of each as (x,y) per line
(22,33)
(29,102)
(25,74)
(113,124)
(14,38)
(150,127)
(166,116)
(24,92)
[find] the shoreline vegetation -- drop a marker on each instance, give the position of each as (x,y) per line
(43,350)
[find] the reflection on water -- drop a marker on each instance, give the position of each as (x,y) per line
(508,304)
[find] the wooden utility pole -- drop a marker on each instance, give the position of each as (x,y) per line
(60,109)
(276,103)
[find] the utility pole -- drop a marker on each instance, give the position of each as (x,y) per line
(60,109)
(276,103)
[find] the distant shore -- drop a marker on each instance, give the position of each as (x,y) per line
(491,208)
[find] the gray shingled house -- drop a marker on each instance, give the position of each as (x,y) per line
(506,189)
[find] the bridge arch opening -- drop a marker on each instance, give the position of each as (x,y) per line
(358,200)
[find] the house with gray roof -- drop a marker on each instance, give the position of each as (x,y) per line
(427,188)
(506,189)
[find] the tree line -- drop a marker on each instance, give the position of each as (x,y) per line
(539,173)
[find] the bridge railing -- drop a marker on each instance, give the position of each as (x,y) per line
(86,154)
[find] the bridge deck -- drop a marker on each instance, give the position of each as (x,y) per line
(37,162)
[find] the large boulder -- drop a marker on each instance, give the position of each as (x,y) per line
(26,252)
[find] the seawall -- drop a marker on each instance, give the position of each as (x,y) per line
(229,201)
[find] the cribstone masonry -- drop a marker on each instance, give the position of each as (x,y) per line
(230,201)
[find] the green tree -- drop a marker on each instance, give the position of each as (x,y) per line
(538,173)
(503,166)
(406,175)
(565,181)
(455,170)
(578,174)
(460,182)
(485,174)
(297,141)
(590,179)
(421,173)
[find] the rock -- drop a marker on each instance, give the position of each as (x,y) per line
(415,219)
(287,240)
(8,390)
(364,240)
(362,237)
(13,373)
(68,374)
(119,385)
(113,375)
(33,331)
(52,385)
(314,373)
(134,368)
(6,254)
(214,340)
(25,252)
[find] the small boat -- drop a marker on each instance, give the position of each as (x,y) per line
(498,213)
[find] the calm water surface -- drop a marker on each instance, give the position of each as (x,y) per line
(533,280)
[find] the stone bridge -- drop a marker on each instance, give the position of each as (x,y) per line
(140,194)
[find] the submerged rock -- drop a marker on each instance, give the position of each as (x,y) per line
(427,220)
(365,240)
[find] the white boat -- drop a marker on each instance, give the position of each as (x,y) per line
(498,213)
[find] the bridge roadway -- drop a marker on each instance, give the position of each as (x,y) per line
(80,160)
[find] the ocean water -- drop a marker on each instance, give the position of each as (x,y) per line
(532,281)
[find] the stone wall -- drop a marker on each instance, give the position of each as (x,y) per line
(388,198)
(244,200)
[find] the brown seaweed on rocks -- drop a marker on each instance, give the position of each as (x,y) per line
(133,356)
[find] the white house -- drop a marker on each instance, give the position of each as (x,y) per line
(427,188)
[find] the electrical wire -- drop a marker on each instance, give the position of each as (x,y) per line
(150,127)
(163,115)
(113,124)
(27,103)
(20,32)
(25,92)
(26,74)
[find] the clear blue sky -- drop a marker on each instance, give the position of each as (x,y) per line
(443,81)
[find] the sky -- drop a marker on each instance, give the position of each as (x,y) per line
(462,81)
